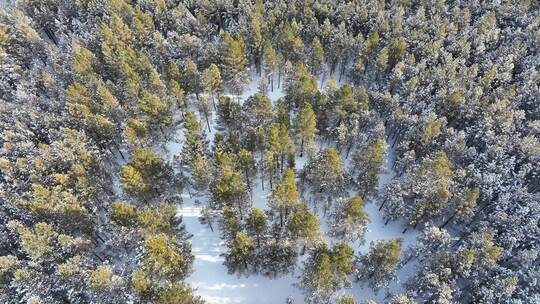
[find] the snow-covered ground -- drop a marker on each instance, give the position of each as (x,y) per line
(5,3)
(210,277)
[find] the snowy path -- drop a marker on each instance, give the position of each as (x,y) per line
(210,277)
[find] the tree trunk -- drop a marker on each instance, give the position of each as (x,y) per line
(99,258)
(210,224)
(119,151)
(281,216)
(214,103)
(207,121)
(100,238)
(248,183)
(397,139)
(448,220)
(262,180)
(349,148)
(382,205)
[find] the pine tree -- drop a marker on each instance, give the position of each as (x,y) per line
(195,144)
(201,174)
(254,142)
(372,43)
(229,189)
(349,220)
(430,131)
(145,176)
(306,129)
(212,82)
(230,224)
(397,50)
(57,205)
(345,102)
(333,54)
(382,59)
(270,63)
(301,87)
(303,226)
(258,112)
(156,110)
(192,78)
(157,219)
(124,214)
(164,260)
(234,62)
(178,293)
(103,278)
(325,271)
(285,196)
(280,149)
(257,225)
(316,60)
(464,205)
(289,42)
(240,254)
(377,268)
(357,70)
(229,114)
(277,258)
(204,107)
(393,204)
(135,132)
(256,33)
(433,180)
(246,163)
(366,166)
(325,175)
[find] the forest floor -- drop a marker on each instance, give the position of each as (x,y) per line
(210,277)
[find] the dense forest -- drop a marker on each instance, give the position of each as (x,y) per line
(115,113)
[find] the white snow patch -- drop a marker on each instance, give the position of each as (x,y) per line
(191,212)
(210,258)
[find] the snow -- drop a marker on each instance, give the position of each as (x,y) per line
(190,212)
(5,3)
(210,277)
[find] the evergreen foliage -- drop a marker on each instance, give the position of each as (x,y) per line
(427,110)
